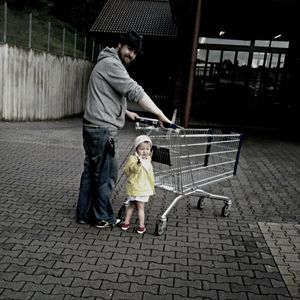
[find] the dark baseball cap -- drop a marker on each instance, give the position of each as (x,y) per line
(133,39)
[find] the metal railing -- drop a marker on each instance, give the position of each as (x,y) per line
(33,32)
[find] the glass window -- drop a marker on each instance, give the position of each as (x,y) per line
(229,55)
(271,43)
(258,59)
(280,44)
(274,62)
(282,59)
(242,58)
(204,40)
(201,54)
(260,43)
(268,57)
(214,56)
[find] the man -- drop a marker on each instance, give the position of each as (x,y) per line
(109,89)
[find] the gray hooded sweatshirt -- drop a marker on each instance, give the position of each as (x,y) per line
(109,88)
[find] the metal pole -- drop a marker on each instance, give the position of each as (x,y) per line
(84,50)
(30,30)
(75,44)
(63,43)
(5,23)
(49,36)
(192,66)
(93,50)
(271,54)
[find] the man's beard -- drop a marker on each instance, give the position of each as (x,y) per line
(124,62)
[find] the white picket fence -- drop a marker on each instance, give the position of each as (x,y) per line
(41,86)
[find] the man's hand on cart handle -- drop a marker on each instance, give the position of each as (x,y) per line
(166,123)
(132,115)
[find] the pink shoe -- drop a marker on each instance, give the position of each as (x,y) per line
(125,226)
(141,229)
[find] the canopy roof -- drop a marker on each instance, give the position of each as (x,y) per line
(149,18)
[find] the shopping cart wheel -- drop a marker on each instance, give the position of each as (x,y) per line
(200,204)
(160,227)
(225,210)
(121,213)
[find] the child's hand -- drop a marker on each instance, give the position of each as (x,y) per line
(138,159)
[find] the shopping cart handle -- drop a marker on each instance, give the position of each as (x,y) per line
(171,125)
(155,123)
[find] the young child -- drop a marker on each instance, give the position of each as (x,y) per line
(140,181)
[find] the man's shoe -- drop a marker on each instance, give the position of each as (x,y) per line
(82,221)
(118,221)
(105,224)
(102,224)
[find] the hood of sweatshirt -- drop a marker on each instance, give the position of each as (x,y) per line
(107,52)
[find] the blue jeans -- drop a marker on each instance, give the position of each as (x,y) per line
(99,176)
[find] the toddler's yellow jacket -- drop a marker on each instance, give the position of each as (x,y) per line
(140,182)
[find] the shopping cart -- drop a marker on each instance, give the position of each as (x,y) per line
(185,160)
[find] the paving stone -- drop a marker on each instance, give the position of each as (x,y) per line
(128,296)
(148,296)
(159,281)
(153,289)
(14,295)
(40,295)
(200,276)
(252,296)
(205,294)
(232,296)
(96,293)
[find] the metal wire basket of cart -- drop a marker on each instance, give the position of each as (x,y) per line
(186,160)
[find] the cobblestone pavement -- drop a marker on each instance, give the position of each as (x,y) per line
(44,254)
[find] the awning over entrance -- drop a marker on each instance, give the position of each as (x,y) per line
(149,18)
